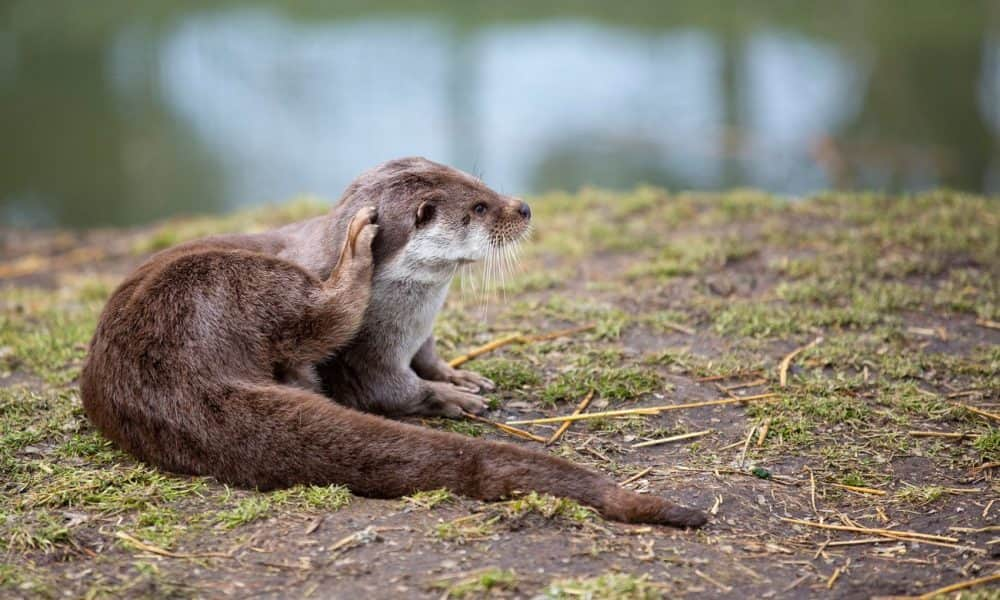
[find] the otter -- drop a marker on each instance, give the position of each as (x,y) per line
(274,359)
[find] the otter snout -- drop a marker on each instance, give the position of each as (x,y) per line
(524,210)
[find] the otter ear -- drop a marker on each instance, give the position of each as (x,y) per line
(425,212)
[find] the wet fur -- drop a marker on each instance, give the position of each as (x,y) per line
(220,357)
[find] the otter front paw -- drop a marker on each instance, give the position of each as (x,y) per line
(448,400)
(470,380)
(361,232)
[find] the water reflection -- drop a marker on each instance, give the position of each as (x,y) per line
(214,110)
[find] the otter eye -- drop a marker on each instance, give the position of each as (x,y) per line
(480,209)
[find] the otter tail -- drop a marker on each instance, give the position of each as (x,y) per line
(285,436)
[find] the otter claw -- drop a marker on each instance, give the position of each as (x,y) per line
(469,380)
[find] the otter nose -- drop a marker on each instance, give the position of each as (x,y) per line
(524,210)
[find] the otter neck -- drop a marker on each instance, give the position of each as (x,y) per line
(404,303)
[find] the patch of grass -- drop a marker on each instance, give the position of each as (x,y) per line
(305,498)
(607,586)
(770,320)
(506,373)
(988,445)
(246,510)
(615,384)
(466,529)
(461,426)
(106,489)
(549,507)
(312,498)
(691,256)
(46,332)
(608,321)
(912,494)
(41,531)
(429,499)
(480,585)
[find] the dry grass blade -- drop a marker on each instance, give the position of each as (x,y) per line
(650,410)
(566,424)
(638,475)
(962,585)
(988,323)
(943,434)
(141,545)
(515,338)
(514,431)
(978,411)
(673,438)
(914,535)
(787,361)
(859,489)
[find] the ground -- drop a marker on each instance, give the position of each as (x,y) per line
(888,417)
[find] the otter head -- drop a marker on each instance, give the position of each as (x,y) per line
(433,218)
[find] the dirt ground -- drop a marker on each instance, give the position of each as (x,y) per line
(873,321)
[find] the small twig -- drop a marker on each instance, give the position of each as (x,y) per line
(746,446)
(812,492)
(651,410)
(874,540)
(514,338)
(915,535)
(141,545)
(787,361)
(962,585)
(673,438)
(722,587)
(676,327)
(506,428)
(638,475)
(740,386)
(566,424)
(975,529)
(988,323)
(833,578)
(794,584)
(943,434)
(859,489)
(978,411)
(364,536)
(762,434)
(727,376)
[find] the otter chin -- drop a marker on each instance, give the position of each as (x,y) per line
(269,360)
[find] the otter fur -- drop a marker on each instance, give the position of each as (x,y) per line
(258,359)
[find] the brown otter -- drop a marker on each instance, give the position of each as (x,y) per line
(205,358)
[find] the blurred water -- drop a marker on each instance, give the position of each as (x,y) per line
(128,117)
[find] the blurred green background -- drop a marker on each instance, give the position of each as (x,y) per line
(120,112)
